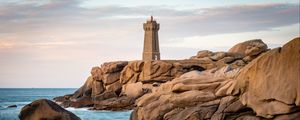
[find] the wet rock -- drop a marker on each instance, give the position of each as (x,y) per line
(45,110)
(12,106)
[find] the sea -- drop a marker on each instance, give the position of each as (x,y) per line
(23,96)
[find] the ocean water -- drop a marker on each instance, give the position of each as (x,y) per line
(23,96)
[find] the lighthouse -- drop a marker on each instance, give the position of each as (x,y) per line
(151,43)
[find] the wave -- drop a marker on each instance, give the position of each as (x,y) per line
(77,109)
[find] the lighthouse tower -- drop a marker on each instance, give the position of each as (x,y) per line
(151,45)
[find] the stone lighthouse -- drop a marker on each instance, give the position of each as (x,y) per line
(151,45)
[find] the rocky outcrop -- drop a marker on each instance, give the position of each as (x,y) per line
(108,86)
(271,83)
(44,109)
(247,82)
(267,87)
(120,78)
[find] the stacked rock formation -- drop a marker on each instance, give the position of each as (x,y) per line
(247,82)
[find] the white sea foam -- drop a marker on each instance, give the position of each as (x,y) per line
(77,109)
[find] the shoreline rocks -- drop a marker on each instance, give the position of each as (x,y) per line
(249,81)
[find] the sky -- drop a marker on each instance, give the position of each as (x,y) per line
(55,43)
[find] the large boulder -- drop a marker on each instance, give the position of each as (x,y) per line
(250,48)
(270,84)
(44,109)
(133,89)
(136,90)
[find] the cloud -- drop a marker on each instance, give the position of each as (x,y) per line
(233,19)
(202,21)
(6,44)
(38,22)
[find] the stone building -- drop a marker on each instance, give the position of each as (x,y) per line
(151,45)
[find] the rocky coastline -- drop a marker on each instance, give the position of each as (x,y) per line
(248,82)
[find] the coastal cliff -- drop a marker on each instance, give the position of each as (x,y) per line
(249,81)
